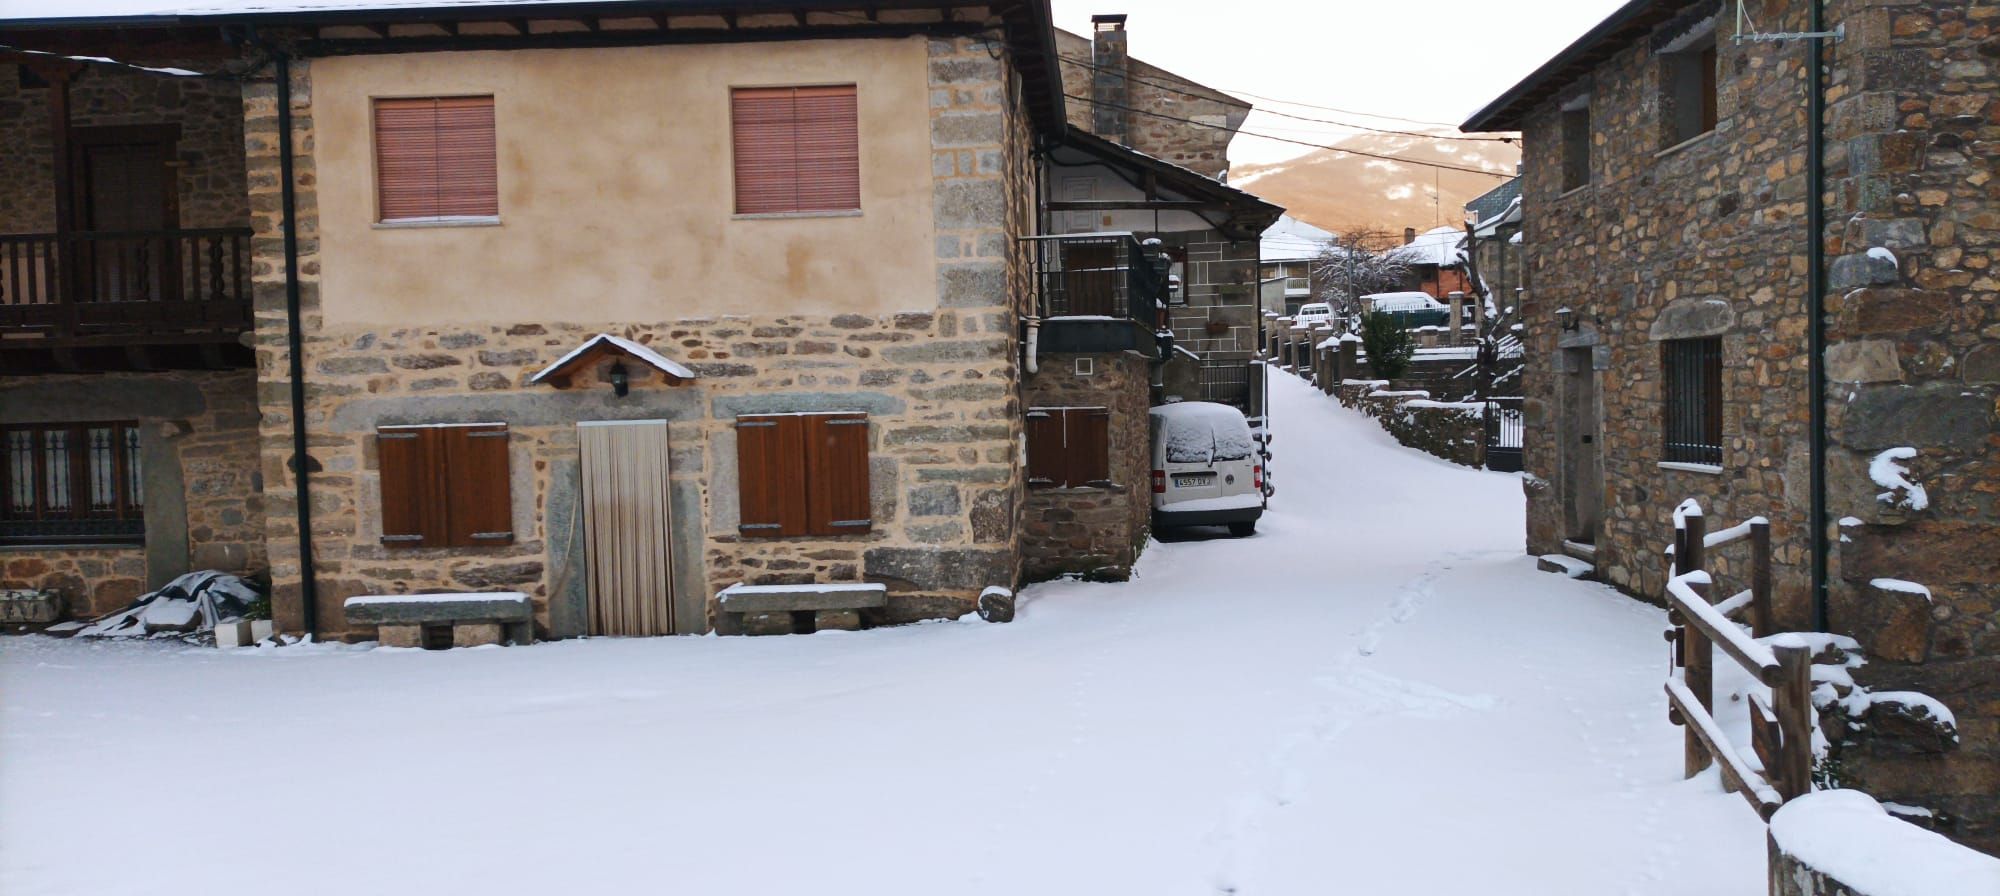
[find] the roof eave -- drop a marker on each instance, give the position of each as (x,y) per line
(1635,18)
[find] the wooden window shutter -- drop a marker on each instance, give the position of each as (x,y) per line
(411,497)
(435,158)
(771,476)
(797,149)
(1047,461)
(478,505)
(1088,438)
(838,501)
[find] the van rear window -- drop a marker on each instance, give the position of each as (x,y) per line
(1208,437)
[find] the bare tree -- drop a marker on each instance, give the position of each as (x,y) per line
(1358,262)
(1498,338)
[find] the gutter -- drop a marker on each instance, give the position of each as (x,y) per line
(295,343)
(1816,519)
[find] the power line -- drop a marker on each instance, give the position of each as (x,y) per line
(1216,127)
(1272,99)
(1345,124)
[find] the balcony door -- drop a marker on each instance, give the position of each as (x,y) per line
(126,198)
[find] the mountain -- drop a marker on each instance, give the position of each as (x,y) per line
(1341,190)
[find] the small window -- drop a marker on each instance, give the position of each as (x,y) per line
(75,483)
(1576,138)
(1688,87)
(445,486)
(1693,411)
(803,474)
(1069,447)
(434,159)
(797,150)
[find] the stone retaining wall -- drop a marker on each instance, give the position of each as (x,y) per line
(1095,532)
(1450,430)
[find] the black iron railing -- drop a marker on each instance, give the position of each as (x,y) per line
(87,283)
(1099,275)
(1692,412)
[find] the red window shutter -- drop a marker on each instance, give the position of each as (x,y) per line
(1088,439)
(838,501)
(435,157)
(1046,456)
(478,494)
(411,498)
(771,476)
(797,149)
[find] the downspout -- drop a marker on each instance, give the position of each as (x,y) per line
(295,344)
(1816,307)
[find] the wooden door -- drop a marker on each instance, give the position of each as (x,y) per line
(628,529)
(124,184)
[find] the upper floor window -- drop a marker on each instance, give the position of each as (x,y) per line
(434,159)
(71,483)
(1692,417)
(1688,88)
(1576,140)
(797,149)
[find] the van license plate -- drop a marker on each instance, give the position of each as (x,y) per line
(1191,480)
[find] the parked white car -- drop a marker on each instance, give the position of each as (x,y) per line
(1207,468)
(1313,314)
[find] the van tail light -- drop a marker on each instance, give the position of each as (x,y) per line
(1257,477)
(1159,482)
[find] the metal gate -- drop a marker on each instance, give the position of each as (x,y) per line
(1504,428)
(1227,382)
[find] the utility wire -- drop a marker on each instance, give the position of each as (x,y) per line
(1216,127)
(1345,124)
(1272,99)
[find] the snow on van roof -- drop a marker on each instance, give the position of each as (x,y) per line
(1403,301)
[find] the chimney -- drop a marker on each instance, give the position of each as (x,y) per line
(1409,235)
(1109,93)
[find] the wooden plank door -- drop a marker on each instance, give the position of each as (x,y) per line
(628,528)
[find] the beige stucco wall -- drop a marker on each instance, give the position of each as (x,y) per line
(616,194)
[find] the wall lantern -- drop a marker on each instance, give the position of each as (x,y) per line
(621,382)
(1566,319)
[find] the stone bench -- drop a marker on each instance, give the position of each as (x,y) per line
(437,621)
(797,609)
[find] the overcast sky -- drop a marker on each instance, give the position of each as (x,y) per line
(1432,60)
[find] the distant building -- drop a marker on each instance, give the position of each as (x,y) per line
(1495,219)
(1436,259)
(1290,249)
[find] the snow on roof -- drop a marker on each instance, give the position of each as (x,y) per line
(1290,239)
(1440,246)
(641,353)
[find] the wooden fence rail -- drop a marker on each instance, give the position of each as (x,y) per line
(1781,727)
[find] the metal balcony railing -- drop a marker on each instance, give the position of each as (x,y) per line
(1109,275)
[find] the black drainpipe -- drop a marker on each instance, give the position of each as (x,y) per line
(295,344)
(1816,305)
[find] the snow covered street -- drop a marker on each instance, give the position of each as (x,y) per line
(1377,694)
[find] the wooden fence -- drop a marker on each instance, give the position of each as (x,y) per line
(1780,727)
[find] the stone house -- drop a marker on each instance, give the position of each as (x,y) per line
(441,300)
(1693,196)
(1435,259)
(1287,254)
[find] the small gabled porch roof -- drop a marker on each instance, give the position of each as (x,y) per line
(1235,212)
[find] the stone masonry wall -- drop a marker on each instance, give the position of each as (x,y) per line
(199,462)
(208,111)
(1914,361)
(938,382)
(1200,142)
(1096,532)
(1659,238)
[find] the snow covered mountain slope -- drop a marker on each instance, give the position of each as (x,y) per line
(1340,190)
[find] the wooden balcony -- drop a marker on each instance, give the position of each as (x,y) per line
(87,301)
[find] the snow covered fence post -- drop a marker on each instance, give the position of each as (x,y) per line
(1761,623)
(1791,695)
(1698,673)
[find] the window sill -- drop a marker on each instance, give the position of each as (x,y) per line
(1709,469)
(1572,191)
(427,223)
(1075,489)
(779,216)
(1695,140)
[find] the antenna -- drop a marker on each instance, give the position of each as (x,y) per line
(1751,34)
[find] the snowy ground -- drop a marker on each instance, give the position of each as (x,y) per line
(1375,695)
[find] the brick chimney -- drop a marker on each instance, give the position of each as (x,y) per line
(1109,92)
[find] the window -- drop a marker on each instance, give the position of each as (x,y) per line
(803,474)
(445,486)
(1576,139)
(797,150)
(1688,87)
(1069,447)
(71,484)
(434,159)
(1693,410)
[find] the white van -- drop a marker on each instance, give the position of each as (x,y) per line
(1312,314)
(1207,469)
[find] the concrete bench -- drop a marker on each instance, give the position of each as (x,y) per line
(438,621)
(797,609)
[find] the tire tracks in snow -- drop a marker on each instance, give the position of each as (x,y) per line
(1350,690)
